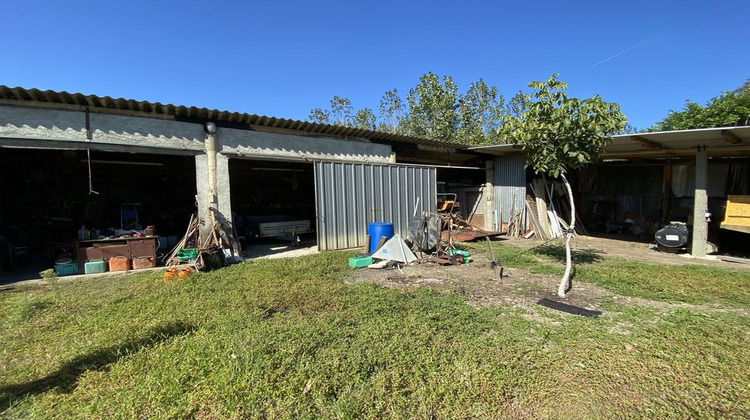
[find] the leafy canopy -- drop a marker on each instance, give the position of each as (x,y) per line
(728,109)
(433,109)
(558,133)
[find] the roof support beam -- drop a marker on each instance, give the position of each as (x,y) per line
(731,138)
(647,143)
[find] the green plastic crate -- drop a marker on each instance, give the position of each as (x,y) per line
(360,262)
(187,253)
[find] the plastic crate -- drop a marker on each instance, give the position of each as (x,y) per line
(187,254)
(360,262)
(95,266)
(66,269)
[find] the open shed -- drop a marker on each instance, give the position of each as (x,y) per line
(80,167)
(682,175)
(661,177)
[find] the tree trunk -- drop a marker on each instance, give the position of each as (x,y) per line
(565,281)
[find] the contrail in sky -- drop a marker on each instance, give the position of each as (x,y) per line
(623,52)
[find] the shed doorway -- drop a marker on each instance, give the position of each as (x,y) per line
(47,202)
(273,205)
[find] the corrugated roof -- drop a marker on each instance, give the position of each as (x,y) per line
(720,142)
(195,113)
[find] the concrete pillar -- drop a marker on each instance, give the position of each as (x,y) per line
(202,189)
(700,206)
(488,193)
(212,185)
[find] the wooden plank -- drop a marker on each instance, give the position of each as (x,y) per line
(541,211)
(531,213)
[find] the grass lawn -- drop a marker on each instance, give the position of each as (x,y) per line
(288,339)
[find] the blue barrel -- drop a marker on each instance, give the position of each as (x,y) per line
(378,230)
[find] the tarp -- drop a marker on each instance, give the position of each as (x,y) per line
(425,232)
(395,249)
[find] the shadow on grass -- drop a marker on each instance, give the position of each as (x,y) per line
(578,257)
(564,307)
(65,378)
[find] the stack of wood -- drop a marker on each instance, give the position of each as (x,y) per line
(546,214)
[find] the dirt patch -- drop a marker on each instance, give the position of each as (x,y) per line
(535,294)
(636,249)
(482,286)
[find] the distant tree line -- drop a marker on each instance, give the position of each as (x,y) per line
(433,109)
(730,108)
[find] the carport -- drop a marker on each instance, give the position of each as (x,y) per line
(697,147)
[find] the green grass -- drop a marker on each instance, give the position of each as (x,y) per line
(288,339)
(689,283)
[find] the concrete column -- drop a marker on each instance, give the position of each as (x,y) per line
(222,198)
(223,190)
(202,189)
(700,206)
(488,194)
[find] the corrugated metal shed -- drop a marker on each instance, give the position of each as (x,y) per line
(349,196)
(510,187)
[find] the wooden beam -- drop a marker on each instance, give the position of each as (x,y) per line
(647,143)
(731,138)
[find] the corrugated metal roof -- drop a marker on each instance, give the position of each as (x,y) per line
(183,112)
(721,142)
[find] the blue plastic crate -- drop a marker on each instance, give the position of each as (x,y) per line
(66,269)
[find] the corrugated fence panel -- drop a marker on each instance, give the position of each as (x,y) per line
(349,196)
(510,187)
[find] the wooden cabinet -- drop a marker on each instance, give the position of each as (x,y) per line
(120,247)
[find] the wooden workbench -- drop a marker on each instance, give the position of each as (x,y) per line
(107,248)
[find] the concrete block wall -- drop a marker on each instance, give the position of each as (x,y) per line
(258,144)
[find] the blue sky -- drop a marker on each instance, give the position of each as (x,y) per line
(283,58)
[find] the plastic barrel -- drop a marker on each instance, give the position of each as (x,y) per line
(378,230)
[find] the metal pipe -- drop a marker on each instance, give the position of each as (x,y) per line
(211,150)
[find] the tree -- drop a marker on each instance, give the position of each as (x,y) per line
(480,110)
(320,116)
(340,113)
(558,133)
(432,111)
(364,119)
(728,109)
(391,112)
